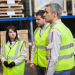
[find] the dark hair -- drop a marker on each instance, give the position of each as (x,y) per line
(41,12)
(7,33)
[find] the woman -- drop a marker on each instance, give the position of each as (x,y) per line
(13,53)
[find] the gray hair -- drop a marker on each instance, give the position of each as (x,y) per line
(56,7)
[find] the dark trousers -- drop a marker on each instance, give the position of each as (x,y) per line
(40,70)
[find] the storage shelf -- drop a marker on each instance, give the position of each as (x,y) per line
(63,17)
(17,19)
(30,18)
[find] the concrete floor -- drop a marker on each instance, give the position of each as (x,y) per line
(29,71)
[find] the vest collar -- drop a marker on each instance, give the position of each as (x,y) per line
(12,43)
(58,21)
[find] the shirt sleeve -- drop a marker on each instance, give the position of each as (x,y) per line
(23,55)
(32,52)
(2,56)
(54,40)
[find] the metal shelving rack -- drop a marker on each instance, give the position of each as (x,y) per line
(31,19)
(63,17)
(25,18)
(18,19)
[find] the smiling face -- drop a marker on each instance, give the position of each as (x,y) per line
(40,21)
(12,34)
(48,15)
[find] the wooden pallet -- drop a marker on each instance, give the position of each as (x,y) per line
(5,12)
(4,6)
(11,16)
(6,0)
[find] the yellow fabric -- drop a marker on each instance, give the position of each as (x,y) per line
(67,38)
(40,54)
(18,69)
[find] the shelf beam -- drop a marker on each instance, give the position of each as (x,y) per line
(30,18)
(17,19)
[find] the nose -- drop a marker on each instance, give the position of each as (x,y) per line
(44,14)
(13,32)
(36,21)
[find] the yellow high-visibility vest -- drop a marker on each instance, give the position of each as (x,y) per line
(66,53)
(11,55)
(41,54)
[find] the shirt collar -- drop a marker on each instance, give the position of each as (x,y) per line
(12,42)
(58,21)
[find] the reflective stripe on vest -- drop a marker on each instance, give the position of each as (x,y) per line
(62,48)
(15,56)
(66,56)
(4,49)
(42,47)
(36,31)
(67,46)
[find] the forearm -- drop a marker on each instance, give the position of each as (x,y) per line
(51,68)
(20,60)
(32,52)
(54,48)
(53,59)
(2,56)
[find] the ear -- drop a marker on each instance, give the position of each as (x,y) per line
(55,14)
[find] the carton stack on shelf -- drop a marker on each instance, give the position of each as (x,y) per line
(16,7)
(23,35)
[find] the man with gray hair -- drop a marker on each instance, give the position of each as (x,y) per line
(59,43)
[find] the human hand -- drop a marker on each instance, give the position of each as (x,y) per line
(6,63)
(12,64)
(32,66)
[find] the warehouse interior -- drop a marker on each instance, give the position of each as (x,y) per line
(25,24)
(68,20)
